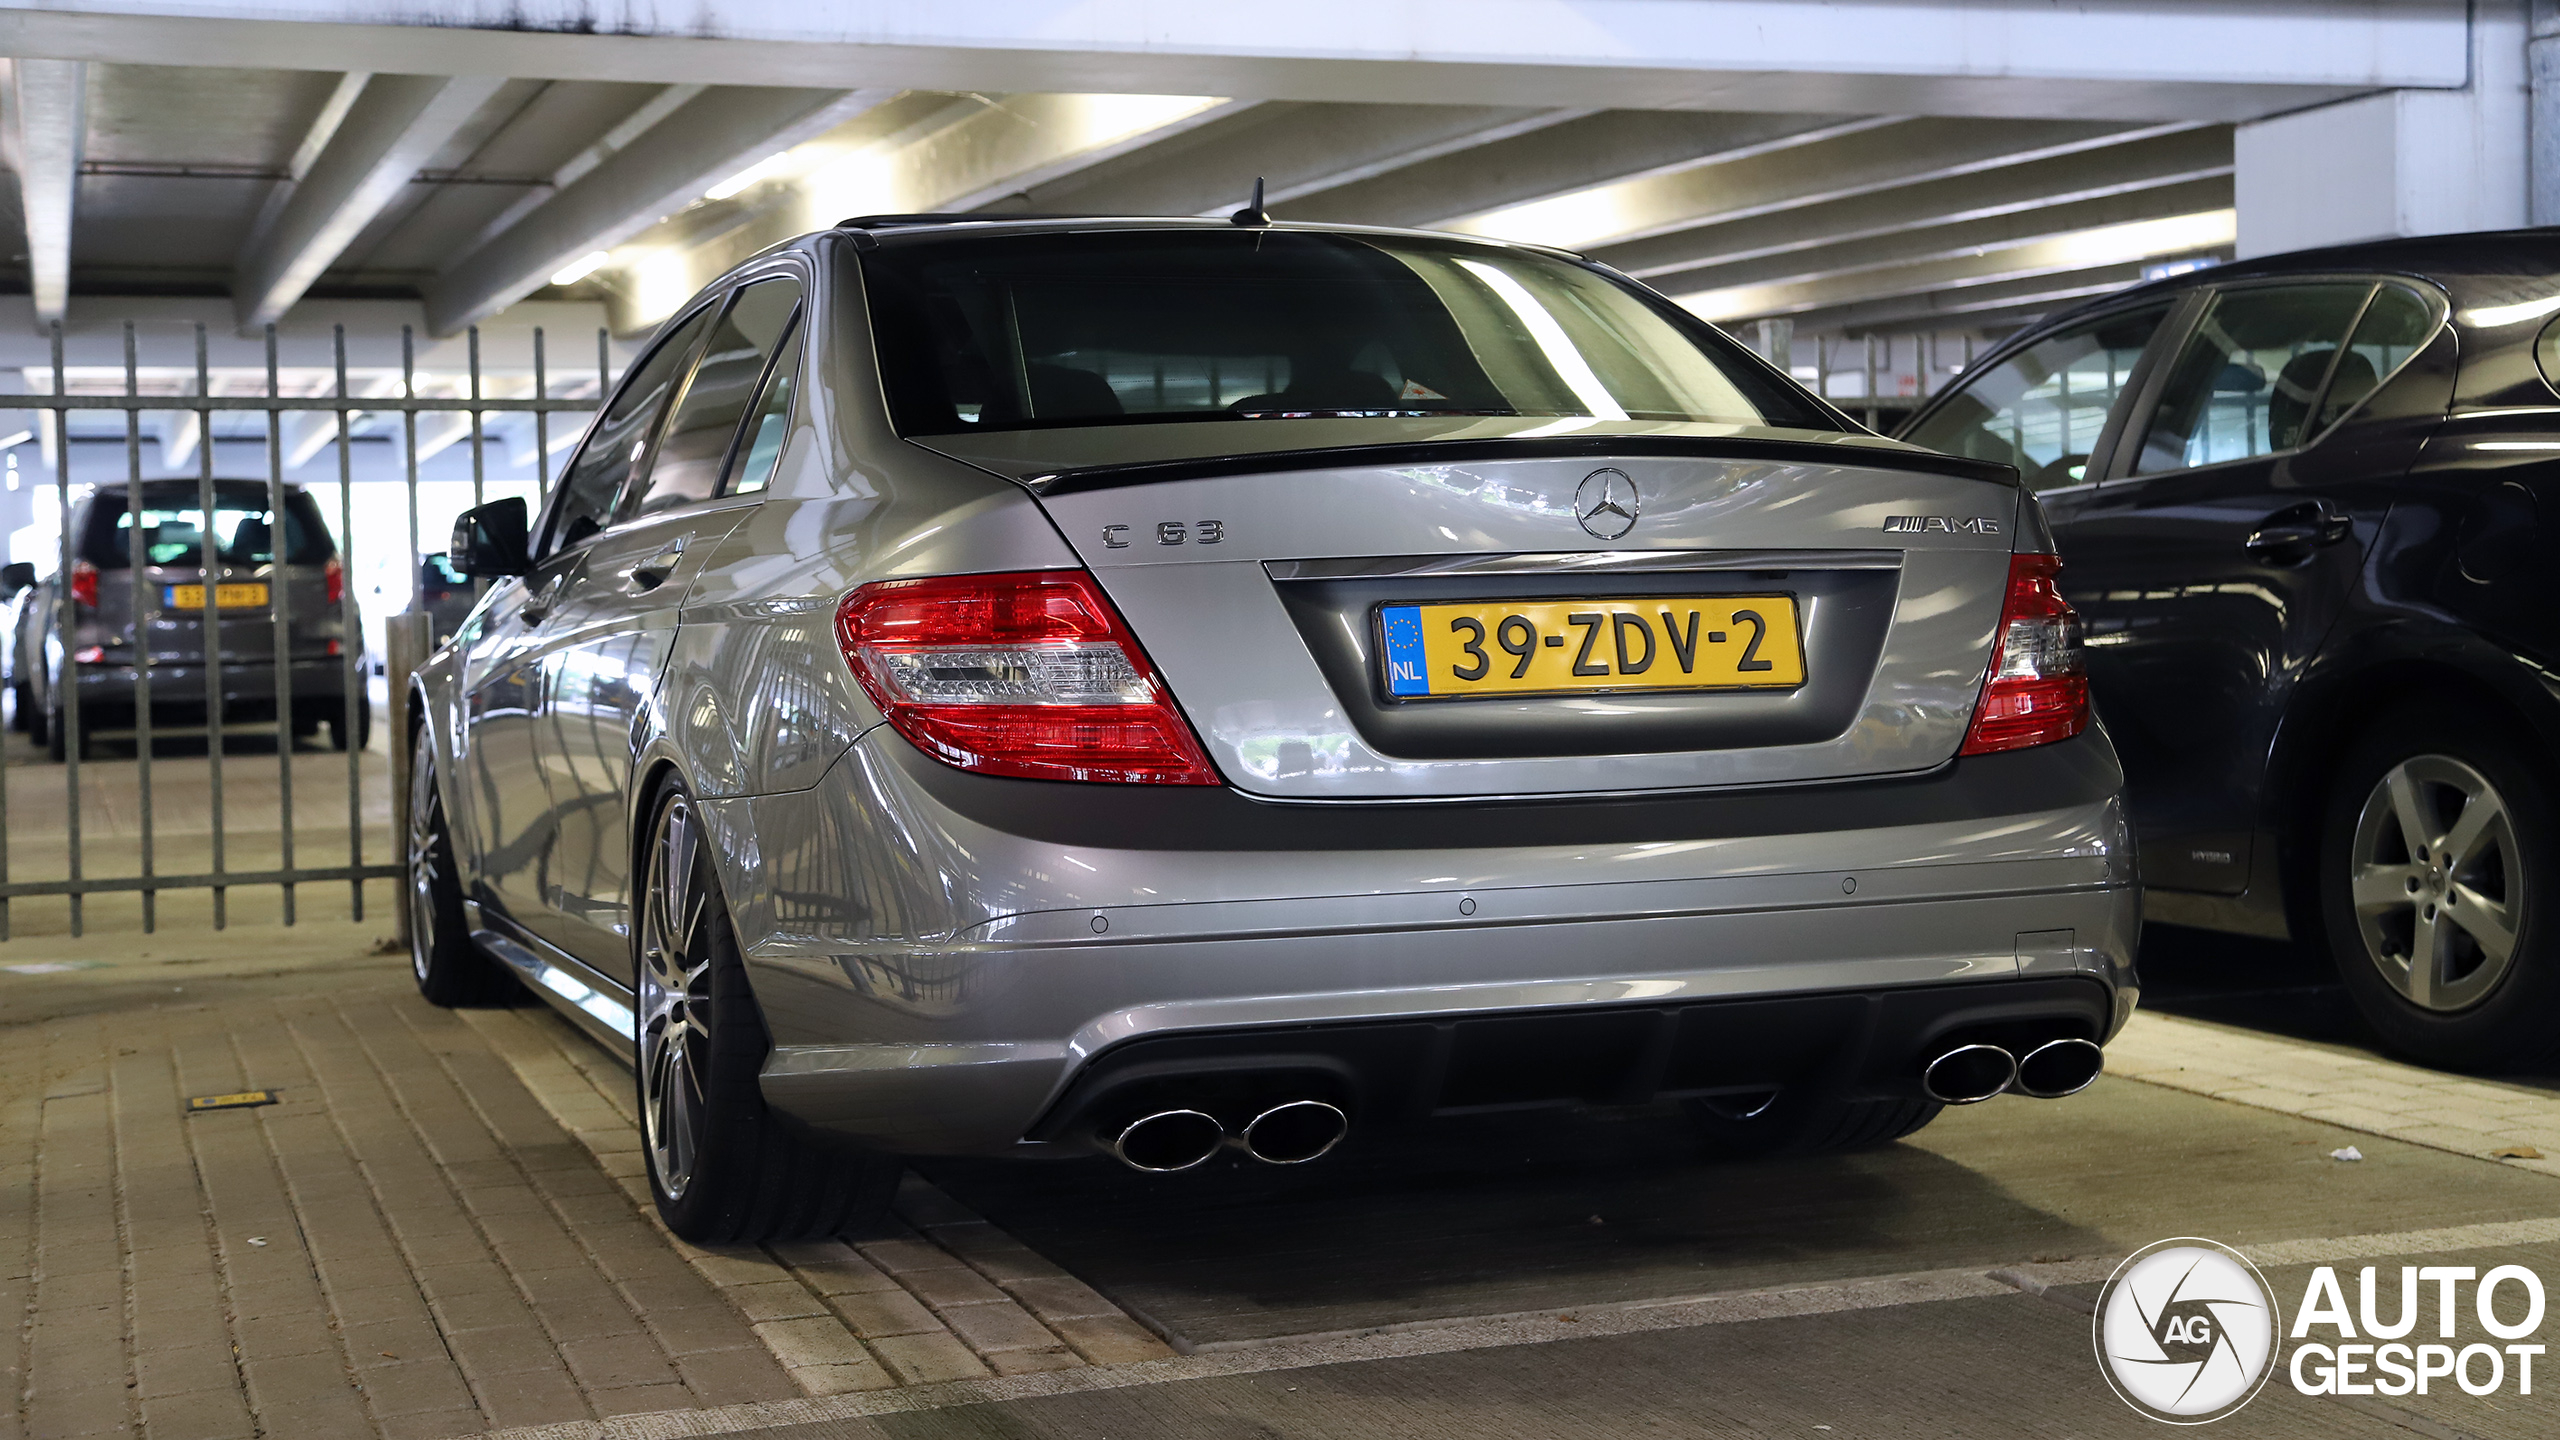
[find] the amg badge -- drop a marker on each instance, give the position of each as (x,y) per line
(1940,525)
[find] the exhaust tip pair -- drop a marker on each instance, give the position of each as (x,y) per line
(1970,1074)
(1291,1133)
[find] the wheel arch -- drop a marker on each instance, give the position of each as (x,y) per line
(2349,692)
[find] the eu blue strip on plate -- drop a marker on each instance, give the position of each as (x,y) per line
(1407,672)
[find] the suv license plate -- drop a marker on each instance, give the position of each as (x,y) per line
(225,597)
(1552,647)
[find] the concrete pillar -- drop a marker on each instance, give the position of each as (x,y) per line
(2403,162)
(2543,58)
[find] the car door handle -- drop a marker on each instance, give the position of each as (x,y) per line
(651,573)
(2290,535)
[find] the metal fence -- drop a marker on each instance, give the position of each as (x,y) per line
(291,867)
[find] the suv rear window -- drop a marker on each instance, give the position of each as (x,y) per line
(1037,331)
(173,526)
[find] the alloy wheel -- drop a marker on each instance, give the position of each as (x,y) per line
(2437,881)
(426,865)
(675,1001)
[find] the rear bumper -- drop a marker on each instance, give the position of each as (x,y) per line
(108,691)
(1435,940)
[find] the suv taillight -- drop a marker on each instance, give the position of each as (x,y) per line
(2038,690)
(334,576)
(1029,674)
(84,583)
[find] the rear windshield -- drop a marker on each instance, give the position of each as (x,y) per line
(173,526)
(1023,332)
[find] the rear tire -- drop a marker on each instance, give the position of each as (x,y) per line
(363,736)
(2439,847)
(22,707)
(59,740)
(1793,1124)
(450,970)
(725,1169)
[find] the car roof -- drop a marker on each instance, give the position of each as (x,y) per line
(2483,266)
(899,229)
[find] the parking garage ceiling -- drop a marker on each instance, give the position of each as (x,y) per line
(1964,206)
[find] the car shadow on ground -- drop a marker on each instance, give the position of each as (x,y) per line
(1493,1214)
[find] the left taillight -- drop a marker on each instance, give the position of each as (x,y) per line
(2038,688)
(84,583)
(334,576)
(1030,674)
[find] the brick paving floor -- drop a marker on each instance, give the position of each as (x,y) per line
(440,1229)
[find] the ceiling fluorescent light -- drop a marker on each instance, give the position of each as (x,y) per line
(580,268)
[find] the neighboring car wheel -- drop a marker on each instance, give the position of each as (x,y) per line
(2437,833)
(22,706)
(59,741)
(1793,1124)
(725,1169)
(363,733)
(450,969)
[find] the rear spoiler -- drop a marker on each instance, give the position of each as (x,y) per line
(1596,447)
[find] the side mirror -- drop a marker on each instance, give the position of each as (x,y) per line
(489,540)
(15,577)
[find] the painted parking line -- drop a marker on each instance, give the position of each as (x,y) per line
(1422,1338)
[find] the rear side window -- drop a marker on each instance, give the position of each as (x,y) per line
(2396,326)
(2248,379)
(2043,408)
(173,529)
(584,502)
(760,447)
(705,420)
(1047,330)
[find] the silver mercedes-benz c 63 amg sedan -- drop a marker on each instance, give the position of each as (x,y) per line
(1165,688)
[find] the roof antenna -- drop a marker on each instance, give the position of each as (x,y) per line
(1253,213)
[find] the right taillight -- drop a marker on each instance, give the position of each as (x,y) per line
(84,583)
(1029,674)
(2038,689)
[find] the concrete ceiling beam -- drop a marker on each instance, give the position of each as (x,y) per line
(1555,159)
(1824,264)
(1296,148)
(48,117)
(1979,307)
(1829,167)
(705,140)
(390,131)
(2116,59)
(2149,163)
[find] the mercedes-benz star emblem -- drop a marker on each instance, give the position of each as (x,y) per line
(1606,503)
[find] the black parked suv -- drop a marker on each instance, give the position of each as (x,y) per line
(2298,501)
(247,582)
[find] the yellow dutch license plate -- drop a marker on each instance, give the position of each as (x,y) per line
(225,597)
(1648,642)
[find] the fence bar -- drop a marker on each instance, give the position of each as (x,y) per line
(64,729)
(279,620)
(288,878)
(138,557)
(406,638)
(409,449)
(351,678)
(541,428)
(479,456)
(213,674)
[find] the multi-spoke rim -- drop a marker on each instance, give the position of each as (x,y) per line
(675,1001)
(426,859)
(2438,884)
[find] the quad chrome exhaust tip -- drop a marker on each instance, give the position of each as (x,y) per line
(1969,1074)
(1294,1133)
(1168,1140)
(2060,1067)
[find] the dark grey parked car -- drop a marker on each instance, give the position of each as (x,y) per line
(1171,688)
(247,582)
